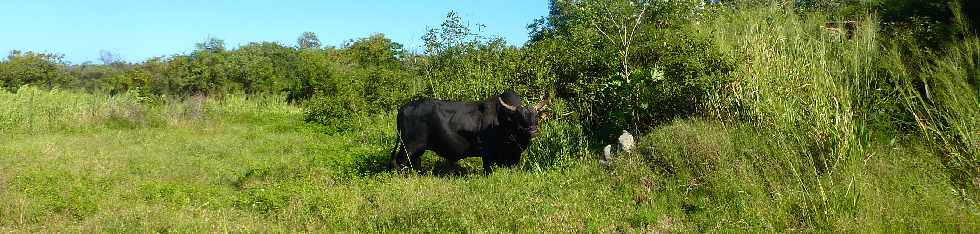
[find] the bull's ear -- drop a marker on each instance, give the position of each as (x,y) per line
(506,106)
(544,101)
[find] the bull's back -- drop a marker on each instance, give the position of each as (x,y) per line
(410,116)
(418,119)
(445,126)
(435,111)
(416,112)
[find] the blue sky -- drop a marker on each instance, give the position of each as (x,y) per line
(137,30)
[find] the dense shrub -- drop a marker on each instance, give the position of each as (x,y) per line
(23,68)
(663,71)
(366,76)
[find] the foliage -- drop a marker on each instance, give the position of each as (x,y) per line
(365,76)
(465,65)
(22,68)
(751,116)
(308,40)
(629,64)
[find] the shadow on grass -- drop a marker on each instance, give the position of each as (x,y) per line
(443,168)
(378,162)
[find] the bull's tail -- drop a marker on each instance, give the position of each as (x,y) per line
(397,151)
(397,148)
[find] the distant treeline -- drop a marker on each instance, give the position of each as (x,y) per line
(619,64)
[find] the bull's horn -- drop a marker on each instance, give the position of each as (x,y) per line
(544,101)
(509,107)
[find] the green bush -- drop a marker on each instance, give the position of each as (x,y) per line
(561,140)
(29,68)
(335,111)
(667,70)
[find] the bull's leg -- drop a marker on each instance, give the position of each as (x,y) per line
(398,157)
(409,155)
(415,158)
(488,165)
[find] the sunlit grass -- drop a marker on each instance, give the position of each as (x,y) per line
(253,165)
(818,142)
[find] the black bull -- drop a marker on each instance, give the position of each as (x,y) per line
(499,129)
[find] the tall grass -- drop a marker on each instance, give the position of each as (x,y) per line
(734,177)
(804,89)
(944,101)
(32,110)
(806,85)
(826,113)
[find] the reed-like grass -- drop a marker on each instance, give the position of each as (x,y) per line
(33,110)
(833,110)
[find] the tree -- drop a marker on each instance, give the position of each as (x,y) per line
(376,50)
(308,40)
(32,68)
(617,22)
(108,58)
(212,44)
(452,33)
(625,63)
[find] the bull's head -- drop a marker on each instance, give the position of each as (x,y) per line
(526,119)
(518,125)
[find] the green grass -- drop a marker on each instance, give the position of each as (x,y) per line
(254,165)
(255,169)
(839,133)
(813,133)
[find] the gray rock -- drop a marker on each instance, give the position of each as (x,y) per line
(607,153)
(626,143)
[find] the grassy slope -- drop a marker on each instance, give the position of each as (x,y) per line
(252,165)
(234,170)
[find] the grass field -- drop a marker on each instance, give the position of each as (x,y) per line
(89,163)
(809,132)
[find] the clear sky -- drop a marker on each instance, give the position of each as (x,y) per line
(137,30)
